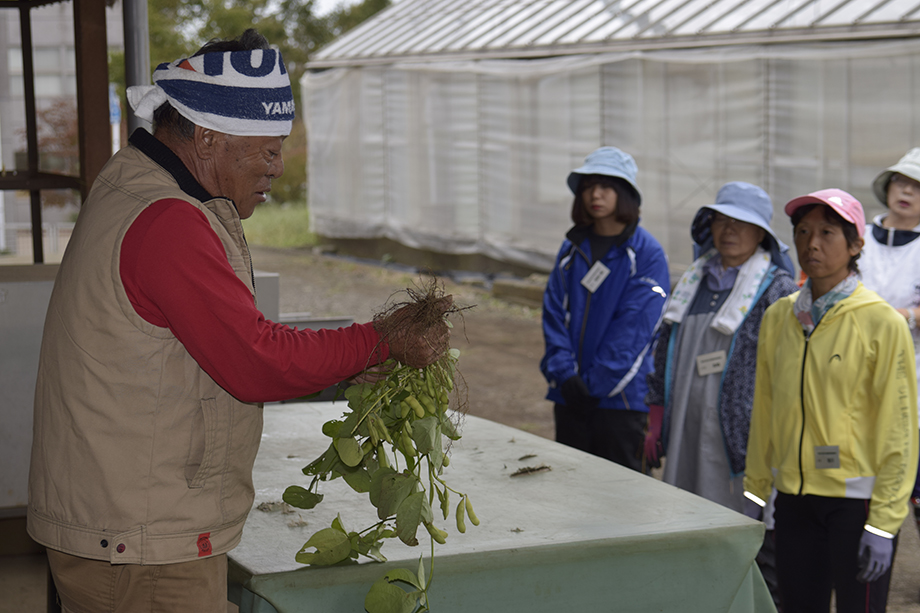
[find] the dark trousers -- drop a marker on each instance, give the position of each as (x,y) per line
(766,562)
(615,434)
(817,549)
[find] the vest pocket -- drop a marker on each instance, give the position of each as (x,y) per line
(204,450)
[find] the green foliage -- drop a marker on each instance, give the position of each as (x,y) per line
(274,225)
(290,187)
(392,436)
(117,75)
(178,28)
(344,19)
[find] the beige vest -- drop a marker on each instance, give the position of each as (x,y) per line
(138,455)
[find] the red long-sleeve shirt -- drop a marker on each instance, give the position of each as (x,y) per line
(176,275)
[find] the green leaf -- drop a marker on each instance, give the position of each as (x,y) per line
(359,480)
(421,573)
(301,498)
(338,524)
(332,546)
(369,544)
(377,483)
(373,552)
(448,429)
(361,402)
(384,597)
(358,393)
(322,464)
(349,451)
(331,428)
(339,468)
(406,576)
(389,489)
(409,516)
(426,434)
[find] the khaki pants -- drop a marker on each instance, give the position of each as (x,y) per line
(94,586)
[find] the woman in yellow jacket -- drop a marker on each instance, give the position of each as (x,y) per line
(834,423)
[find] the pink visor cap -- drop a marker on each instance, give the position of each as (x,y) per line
(843,203)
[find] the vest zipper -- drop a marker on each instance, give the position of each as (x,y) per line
(252,271)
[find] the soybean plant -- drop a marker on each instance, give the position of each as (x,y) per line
(389,444)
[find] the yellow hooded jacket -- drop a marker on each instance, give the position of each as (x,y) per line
(835,414)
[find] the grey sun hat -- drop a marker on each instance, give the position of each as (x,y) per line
(909,166)
(608,161)
(744,202)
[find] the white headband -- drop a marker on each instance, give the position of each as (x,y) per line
(245,93)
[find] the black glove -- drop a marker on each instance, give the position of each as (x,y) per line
(576,394)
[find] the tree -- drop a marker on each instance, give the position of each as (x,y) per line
(58,146)
(178,28)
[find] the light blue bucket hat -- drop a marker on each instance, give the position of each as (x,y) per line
(608,161)
(744,202)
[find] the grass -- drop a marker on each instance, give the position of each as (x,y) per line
(279,225)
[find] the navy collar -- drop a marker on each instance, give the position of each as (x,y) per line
(892,237)
(170,162)
(578,234)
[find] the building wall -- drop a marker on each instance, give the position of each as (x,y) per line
(472,157)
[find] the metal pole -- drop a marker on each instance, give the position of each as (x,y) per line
(28,82)
(2,196)
(137,54)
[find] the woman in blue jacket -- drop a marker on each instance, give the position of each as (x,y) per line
(601,310)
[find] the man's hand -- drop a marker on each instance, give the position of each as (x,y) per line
(417,338)
(373,374)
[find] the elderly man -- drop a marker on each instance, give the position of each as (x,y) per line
(155,356)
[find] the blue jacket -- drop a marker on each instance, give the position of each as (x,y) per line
(606,337)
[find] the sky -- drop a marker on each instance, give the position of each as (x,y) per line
(321,7)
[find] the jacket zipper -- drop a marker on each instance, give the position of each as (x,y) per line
(584,319)
(802,402)
(584,325)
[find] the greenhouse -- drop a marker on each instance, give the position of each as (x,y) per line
(451,125)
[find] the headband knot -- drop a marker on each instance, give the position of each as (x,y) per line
(244,93)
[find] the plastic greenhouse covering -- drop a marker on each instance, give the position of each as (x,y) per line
(472,156)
